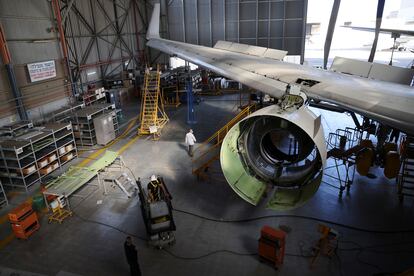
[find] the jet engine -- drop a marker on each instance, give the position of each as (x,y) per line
(278,153)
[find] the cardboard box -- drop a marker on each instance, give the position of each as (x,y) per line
(66,157)
(69,147)
(46,170)
(29,170)
(62,150)
(42,162)
(52,157)
(54,165)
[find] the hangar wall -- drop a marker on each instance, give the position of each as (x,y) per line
(278,24)
(26,25)
(101,39)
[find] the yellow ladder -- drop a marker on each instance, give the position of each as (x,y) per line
(209,150)
(153,117)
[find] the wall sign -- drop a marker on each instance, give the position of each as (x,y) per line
(41,70)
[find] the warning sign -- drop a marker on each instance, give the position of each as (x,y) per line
(41,70)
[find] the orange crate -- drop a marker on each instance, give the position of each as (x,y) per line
(20,211)
(24,221)
(25,228)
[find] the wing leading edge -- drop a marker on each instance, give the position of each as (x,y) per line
(390,103)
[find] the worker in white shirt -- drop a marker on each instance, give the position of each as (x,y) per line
(189,141)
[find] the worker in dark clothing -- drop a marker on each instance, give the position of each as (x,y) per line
(132,257)
(154,189)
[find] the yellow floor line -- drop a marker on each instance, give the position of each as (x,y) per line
(94,155)
(127,145)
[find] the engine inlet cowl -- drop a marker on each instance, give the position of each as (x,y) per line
(275,149)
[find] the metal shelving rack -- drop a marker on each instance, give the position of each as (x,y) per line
(3,196)
(65,114)
(29,158)
(82,121)
(12,130)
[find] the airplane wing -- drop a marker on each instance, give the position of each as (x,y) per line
(382,30)
(261,69)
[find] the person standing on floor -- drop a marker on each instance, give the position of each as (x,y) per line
(189,141)
(132,257)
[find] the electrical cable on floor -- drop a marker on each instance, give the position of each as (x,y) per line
(359,248)
(208,254)
(109,226)
(299,217)
(225,251)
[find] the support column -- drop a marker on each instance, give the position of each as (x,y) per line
(62,39)
(380,11)
(329,34)
(140,57)
(5,55)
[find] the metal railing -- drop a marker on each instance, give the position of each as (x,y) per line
(217,138)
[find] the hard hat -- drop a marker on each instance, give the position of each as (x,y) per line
(153,177)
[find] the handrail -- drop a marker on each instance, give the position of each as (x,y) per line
(225,128)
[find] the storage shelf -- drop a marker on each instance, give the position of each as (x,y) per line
(44,175)
(64,141)
(26,162)
(66,152)
(3,196)
(29,149)
(46,151)
(66,134)
(52,141)
(67,142)
(83,123)
(64,162)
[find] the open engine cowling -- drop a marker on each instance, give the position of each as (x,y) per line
(275,151)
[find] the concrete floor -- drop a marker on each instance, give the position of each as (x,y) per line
(91,242)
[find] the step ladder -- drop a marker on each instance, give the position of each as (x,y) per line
(153,117)
(406,176)
(123,182)
(209,150)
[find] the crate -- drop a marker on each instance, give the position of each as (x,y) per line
(52,158)
(29,170)
(69,147)
(66,157)
(24,221)
(42,163)
(20,211)
(46,170)
(54,166)
(62,150)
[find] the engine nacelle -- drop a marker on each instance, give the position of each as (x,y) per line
(275,150)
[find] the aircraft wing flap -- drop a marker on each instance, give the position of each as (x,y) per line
(250,50)
(373,70)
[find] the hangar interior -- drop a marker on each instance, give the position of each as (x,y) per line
(224,137)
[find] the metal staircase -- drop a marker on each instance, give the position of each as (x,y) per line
(153,117)
(406,177)
(209,150)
